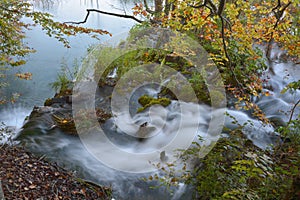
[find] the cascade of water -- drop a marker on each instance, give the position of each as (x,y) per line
(12,117)
(162,126)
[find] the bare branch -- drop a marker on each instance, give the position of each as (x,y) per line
(147,8)
(105,13)
(226,52)
(213,6)
(221,7)
(279,15)
(277,6)
(158,6)
(293,110)
(199,6)
(219,11)
(211,9)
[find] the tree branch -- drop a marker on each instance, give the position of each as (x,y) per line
(226,52)
(199,6)
(147,8)
(277,6)
(213,7)
(204,4)
(208,4)
(278,15)
(8,10)
(293,110)
(221,7)
(105,13)
(218,12)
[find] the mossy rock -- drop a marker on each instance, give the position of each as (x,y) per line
(48,102)
(102,116)
(147,101)
(63,92)
(65,123)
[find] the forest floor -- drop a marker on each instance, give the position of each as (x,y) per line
(25,176)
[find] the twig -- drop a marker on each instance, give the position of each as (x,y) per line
(218,11)
(226,52)
(208,4)
(277,6)
(290,119)
(199,6)
(105,13)
(42,157)
(221,7)
(147,8)
(278,15)
(293,110)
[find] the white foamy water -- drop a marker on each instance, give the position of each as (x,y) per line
(12,118)
(183,121)
(262,135)
(163,125)
(278,105)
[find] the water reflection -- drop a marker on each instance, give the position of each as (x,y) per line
(46,62)
(90,3)
(52,5)
(46,5)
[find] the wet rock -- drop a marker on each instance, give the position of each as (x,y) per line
(58,101)
(48,118)
(102,115)
(48,102)
(57,113)
(41,116)
(163,156)
(63,119)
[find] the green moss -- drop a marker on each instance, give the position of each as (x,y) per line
(123,63)
(147,101)
(48,102)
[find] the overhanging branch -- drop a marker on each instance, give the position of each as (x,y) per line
(147,8)
(279,14)
(293,110)
(105,13)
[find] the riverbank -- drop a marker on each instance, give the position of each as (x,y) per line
(25,176)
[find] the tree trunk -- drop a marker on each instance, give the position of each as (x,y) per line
(158,6)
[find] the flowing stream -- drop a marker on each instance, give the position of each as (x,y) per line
(68,150)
